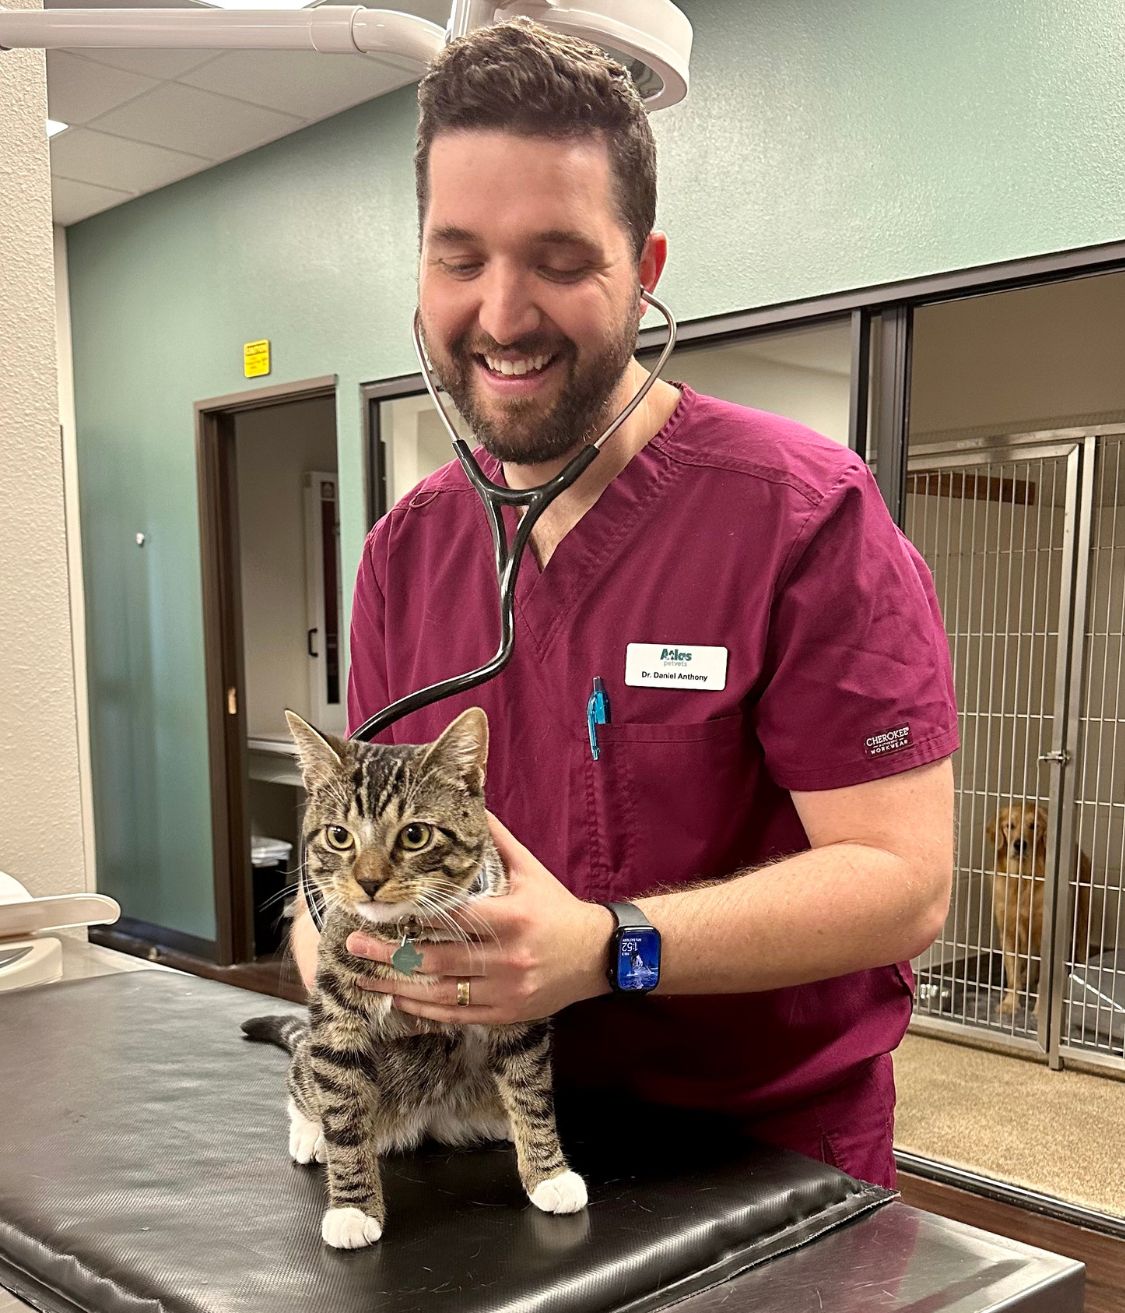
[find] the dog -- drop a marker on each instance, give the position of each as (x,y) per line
(1017,835)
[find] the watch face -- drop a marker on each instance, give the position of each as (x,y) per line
(638,958)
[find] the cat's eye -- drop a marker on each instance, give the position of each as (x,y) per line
(416,836)
(338,837)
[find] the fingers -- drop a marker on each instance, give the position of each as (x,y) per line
(439,999)
(459,960)
(473,1015)
(507,845)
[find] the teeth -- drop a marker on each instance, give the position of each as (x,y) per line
(518,367)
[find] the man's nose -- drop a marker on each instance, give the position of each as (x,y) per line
(507,308)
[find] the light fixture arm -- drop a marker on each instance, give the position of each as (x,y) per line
(652,36)
(331,29)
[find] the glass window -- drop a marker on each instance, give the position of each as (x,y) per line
(802,373)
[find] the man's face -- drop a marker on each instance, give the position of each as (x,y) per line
(528,289)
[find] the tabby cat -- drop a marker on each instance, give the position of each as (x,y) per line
(394,833)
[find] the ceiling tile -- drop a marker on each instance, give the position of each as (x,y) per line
(200,122)
(124,4)
(79,90)
(71,201)
(300,82)
(153,63)
(135,166)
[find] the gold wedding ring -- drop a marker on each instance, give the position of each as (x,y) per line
(463,994)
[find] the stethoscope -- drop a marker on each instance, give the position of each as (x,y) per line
(507,555)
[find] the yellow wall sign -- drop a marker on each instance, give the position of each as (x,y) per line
(256,358)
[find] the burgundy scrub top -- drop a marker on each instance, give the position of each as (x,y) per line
(735,529)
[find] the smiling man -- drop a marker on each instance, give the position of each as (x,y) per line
(765,781)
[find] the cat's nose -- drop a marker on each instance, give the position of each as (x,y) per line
(369,886)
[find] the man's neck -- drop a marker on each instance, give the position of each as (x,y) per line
(569,507)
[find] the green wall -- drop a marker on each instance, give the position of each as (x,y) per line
(827,144)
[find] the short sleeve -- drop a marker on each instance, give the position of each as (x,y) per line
(858,683)
(367,667)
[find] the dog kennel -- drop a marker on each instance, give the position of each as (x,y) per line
(1025,536)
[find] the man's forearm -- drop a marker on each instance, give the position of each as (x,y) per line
(826,912)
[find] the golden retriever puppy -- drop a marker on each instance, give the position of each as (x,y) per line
(1018,837)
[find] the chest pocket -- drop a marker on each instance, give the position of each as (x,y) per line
(667,803)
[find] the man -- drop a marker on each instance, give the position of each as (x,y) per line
(792,803)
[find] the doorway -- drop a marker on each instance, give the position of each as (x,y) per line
(273,615)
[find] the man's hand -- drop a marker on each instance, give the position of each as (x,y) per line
(527,955)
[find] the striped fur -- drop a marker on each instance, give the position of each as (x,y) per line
(365,1080)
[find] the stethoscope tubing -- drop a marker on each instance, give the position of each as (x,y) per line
(507,556)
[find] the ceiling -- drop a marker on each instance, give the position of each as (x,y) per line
(140,119)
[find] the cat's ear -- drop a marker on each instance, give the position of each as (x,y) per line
(462,749)
(320,755)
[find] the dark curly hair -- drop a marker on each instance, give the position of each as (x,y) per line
(519,77)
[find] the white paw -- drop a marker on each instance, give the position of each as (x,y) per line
(305,1140)
(349,1228)
(565,1193)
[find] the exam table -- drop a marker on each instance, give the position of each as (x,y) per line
(143,1170)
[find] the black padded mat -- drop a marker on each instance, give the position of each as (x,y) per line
(143,1168)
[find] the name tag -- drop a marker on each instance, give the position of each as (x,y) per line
(665,665)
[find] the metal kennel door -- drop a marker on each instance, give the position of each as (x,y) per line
(1088,1025)
(999,528)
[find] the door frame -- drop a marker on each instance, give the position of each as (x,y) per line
(224,671)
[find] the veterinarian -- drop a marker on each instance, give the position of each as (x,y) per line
(783,813)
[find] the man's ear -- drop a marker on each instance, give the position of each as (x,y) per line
(653,258)
(462,749)
(320,755)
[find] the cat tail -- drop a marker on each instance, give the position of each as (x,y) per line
(283,1031)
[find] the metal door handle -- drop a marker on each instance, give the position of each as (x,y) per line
(309,643)
(1063,756)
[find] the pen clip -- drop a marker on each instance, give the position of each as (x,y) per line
(597,713)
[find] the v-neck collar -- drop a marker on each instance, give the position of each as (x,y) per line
(545,597)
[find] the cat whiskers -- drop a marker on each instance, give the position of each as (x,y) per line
(284,892)
(463,906)
(430,905)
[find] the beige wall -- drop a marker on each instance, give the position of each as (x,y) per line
(41,841)
(813,397)
(1036,358)
(415,442)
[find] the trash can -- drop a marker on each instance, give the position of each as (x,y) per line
(270,861)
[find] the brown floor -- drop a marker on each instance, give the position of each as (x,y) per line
(1061,1133)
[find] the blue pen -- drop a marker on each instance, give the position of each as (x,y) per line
(597,713)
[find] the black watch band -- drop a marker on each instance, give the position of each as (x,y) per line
(628,914)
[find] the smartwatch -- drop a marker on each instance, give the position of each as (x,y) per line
(634,951)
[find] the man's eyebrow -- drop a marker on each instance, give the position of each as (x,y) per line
(451,234)
(550,237)
(565,237)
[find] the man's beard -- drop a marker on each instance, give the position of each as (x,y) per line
(520,434)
